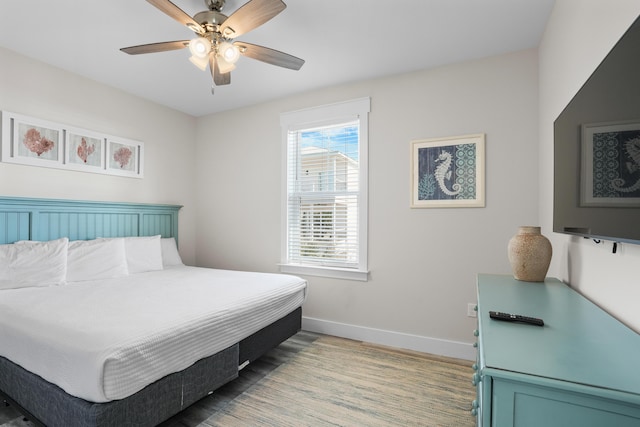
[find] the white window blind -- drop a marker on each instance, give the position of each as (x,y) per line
(325,224)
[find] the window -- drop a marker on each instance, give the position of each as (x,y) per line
(325,195)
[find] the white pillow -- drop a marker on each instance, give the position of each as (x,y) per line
(96,259)
(6,252)
(170,254)
(143,254)
(31,264)
(4,262)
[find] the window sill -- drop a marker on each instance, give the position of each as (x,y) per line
(334,273)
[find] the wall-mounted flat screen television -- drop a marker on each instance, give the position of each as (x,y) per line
(597,150)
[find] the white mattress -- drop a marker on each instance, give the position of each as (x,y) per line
(107,339)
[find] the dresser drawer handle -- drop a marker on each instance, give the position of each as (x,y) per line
(475,379)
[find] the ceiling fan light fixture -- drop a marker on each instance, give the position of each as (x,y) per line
(214,45)
(223,66)
(200,47)
(199,62)
(229,52)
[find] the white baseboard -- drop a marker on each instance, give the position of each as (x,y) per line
(437,346)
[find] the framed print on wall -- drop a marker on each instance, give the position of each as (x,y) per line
(30,141)
(35,142)
(448,172)
(84,150)
(124,157)
(610,172)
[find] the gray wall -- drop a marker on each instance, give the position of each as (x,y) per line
(423,262)
(38,90)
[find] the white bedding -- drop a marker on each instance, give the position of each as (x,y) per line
(105,340)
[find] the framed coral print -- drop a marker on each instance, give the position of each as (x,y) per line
(448,172)
(31,141)
(124,157)
(610,172)
(35,142)
(84,150)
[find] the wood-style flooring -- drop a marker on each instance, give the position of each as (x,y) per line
(319,380)
(250,375)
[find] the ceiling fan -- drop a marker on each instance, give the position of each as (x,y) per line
(214,45)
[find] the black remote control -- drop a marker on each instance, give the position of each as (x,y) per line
(498,315)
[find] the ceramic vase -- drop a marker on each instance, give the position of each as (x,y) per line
(529,254)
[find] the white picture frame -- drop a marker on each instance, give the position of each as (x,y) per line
(31,141)
(36,142)
(124,157)
(448,172)
(85,150)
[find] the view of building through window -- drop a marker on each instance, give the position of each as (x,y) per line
(325,205)
(327,197)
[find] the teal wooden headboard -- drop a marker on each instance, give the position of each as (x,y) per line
(48,219)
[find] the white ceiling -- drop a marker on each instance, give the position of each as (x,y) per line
(341,41)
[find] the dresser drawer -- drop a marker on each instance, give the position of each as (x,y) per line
(526,405)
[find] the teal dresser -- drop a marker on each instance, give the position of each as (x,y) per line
(582,368)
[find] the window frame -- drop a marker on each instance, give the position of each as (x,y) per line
(330,114)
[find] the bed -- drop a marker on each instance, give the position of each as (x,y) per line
(180,332)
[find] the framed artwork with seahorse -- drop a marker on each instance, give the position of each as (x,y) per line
(610,172)
(448,172)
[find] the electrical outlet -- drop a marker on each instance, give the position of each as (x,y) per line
(471,310)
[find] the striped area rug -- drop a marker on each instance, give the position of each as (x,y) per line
(339,382)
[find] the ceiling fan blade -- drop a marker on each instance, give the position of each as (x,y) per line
(155,47)
(270,56)
(251,15)
(218,78)
(178,14)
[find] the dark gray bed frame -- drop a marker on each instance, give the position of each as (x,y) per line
(46,404)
